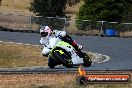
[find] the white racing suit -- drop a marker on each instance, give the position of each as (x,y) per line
(63,36)
(45,40)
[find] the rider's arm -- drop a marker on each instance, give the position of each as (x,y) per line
(60,33)
(43,41)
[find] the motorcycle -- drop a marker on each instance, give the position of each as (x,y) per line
(61,52)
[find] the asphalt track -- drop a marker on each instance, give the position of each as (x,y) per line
(119,49)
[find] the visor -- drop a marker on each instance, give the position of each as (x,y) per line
(44,34)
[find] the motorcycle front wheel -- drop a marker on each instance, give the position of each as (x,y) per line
(51,62)
(64,58)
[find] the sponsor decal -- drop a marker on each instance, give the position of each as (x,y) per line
(101,78)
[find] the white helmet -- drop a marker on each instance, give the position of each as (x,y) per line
(45,31)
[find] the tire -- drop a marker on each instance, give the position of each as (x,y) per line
(64,59)
(87,60)
(51,63)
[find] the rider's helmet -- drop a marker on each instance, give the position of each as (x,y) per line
(45,31)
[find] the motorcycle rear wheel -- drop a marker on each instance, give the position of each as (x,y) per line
(87,60)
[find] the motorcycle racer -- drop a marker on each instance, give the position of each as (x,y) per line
(47,32)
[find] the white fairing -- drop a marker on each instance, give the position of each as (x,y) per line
(48,44)
(75,58)
(55,42)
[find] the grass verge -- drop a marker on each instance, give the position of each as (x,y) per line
(14,55)
(59,80)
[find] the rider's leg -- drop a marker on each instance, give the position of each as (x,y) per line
(69,40)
